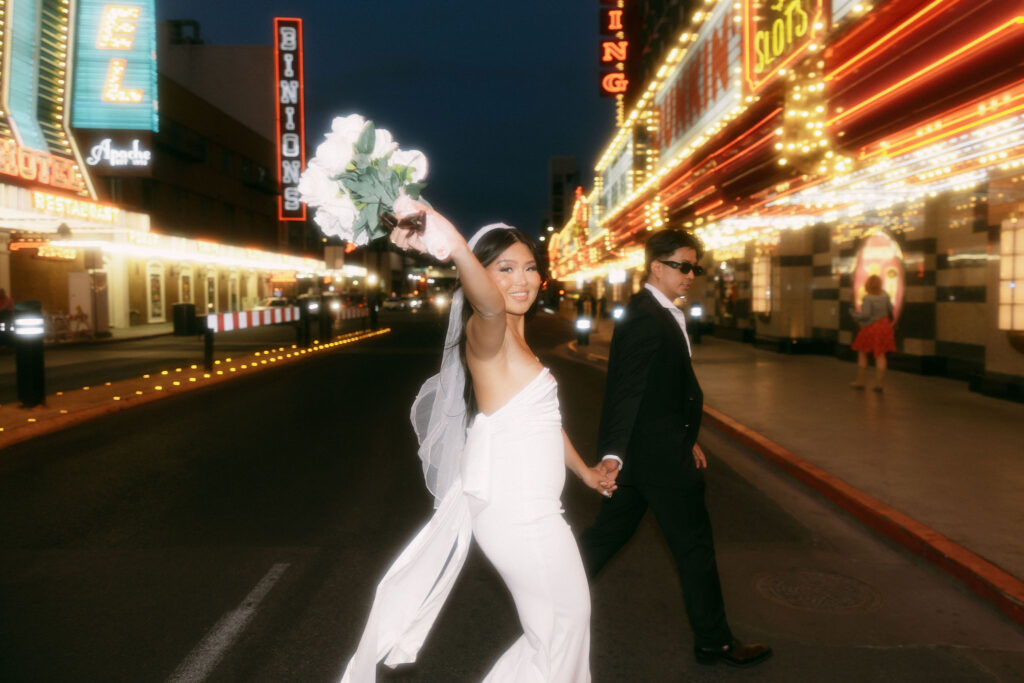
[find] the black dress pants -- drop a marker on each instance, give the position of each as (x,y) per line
(683,518)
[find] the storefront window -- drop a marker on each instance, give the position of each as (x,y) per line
(211,292)
(185,286)
(761,285)
(1011,274)
(155,279)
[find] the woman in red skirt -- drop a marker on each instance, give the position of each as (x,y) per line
(876,334)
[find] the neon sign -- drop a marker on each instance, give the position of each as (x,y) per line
(115,76)
(291,153)
(39,167)
(701,89)
(614,51)
(775,34)
(104,152)
(69,207)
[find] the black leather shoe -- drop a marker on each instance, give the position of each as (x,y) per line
(733,654)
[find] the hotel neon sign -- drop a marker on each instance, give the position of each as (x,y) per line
(39,167)
(115,74)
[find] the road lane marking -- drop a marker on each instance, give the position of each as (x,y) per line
(207,654)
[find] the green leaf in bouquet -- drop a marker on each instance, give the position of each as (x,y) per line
(367,139)
(361,161)
(370,214)
(414,190)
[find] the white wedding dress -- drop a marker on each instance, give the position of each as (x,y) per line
(508,498)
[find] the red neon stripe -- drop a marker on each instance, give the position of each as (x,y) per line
(871,48)
(1009,25)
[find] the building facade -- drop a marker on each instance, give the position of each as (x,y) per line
(813,143)
(123,191)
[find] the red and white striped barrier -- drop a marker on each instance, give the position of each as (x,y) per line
(226,322)
(351,313)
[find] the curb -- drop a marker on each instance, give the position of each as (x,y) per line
(988,581)
(984,578)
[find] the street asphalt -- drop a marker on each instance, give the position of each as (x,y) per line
(236,533)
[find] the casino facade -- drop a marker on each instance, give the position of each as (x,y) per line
(810,144)
(80,124)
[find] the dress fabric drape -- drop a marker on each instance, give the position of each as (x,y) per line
(508,497)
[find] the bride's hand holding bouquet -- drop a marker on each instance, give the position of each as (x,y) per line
(421,228)
(364,187)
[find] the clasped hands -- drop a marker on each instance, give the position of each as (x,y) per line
(601,477)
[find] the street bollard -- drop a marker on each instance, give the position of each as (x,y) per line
(208,349)
(583,326)
(327,312)
(28,348)
(309,309)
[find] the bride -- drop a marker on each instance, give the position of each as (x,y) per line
(496,476)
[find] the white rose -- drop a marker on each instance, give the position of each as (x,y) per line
(330,225)
(348,127)
(383,144)
(316,187)
(412,158)
(334,154)
(337,216)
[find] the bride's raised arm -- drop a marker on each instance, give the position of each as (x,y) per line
(485,332)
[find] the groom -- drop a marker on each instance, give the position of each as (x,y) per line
(649,425)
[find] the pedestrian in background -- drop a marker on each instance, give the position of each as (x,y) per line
(876,333)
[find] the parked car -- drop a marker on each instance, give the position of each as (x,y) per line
(273,302)
(406,302)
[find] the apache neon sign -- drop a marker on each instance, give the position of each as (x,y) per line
(291,154)
(105,153)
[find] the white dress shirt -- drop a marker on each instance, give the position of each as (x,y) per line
(676,312)
(680,318)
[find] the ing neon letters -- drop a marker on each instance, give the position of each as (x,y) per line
(614,51)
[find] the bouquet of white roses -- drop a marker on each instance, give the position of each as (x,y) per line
(357,176)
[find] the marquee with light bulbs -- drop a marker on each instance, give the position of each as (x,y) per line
(773,115)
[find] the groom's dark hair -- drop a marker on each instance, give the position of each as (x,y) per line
(664,242)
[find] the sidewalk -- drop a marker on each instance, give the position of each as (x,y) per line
(67,408)
(928,463)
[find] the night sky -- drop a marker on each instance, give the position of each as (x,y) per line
(487,90)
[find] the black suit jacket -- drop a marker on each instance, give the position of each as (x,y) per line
(652,402)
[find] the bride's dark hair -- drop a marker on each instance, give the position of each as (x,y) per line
(490,246)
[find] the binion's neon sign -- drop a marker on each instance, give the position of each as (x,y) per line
(291,154)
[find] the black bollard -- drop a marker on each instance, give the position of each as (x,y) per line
(327,318)
(208,349)
(583,325)
(29,329)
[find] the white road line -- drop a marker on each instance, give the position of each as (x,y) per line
(205,656)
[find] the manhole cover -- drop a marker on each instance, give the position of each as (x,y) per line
(819,592)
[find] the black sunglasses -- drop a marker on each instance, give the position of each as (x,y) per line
(685,267)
